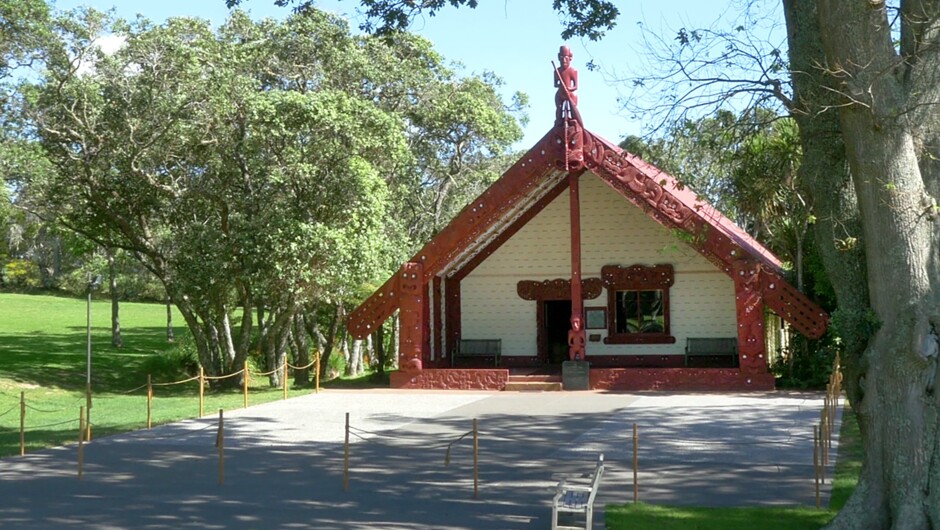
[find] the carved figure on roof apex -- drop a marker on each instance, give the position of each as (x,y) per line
(566,80)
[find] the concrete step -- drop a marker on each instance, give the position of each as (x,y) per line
(535,378)
(533,386)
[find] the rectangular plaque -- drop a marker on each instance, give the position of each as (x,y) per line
(576,375)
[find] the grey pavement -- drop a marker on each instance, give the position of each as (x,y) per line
(283,461)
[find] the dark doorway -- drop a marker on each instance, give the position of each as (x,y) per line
(556,322)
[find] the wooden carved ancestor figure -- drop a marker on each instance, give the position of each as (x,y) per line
(576,337)
(566,80)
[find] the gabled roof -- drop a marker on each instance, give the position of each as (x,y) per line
(540,175)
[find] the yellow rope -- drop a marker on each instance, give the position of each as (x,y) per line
(216,378)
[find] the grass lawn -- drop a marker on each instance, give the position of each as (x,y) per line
(649,517)
(43,352)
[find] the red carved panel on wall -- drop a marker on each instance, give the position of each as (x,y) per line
(636,379)
(750,309)
(557,289)
(451,379)
(637,277)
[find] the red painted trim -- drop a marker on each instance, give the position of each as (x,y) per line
(637,361)
(436,285)
(541,339)
(451,315)
(426,324)
(451,379)
(576,336)
(695,379)
(557,289)
(641,338)
(625,379)
(637,278)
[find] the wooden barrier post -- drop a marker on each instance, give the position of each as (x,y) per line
(202,388)
(636,483)
(149,401)
(88,412)
(822,438)
(284,378)
(81,441)
(816,462)
(220,443)
(245,376)
(22,423)
(346,457)
(476,461)
(316,371)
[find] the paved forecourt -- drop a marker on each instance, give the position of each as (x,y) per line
(283,464)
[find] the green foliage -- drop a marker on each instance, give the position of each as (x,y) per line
(806,364)
(175,364)
(20,274)
(651,517)
(582,18)
(44,355)
(263,164)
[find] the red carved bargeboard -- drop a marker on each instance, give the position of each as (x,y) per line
(451,379)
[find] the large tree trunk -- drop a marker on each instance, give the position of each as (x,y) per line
(301,346)
(887,303)
(116,340)
(170,335)
(338,318)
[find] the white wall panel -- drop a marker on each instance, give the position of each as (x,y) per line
(614,232)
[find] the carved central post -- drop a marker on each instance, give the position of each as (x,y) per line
(576,335)
(411,317)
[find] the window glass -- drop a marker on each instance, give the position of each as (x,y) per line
(640,311)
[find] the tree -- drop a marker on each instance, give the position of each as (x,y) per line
(255,170)
(582,18)
(881,96)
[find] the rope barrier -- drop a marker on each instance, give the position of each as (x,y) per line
(219,377)
(356,435)
(45,411)
(131,391)
(195,377)
(66,422)
(15,407)
(265,374)
(365,431)
(292,367)
(447,454)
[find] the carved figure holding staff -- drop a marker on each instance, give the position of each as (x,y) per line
(566,80)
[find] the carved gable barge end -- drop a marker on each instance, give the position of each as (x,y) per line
(793,305)
(494,204)
(375,310)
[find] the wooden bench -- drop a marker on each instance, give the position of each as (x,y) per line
(711,352)
(577,499)
(468,348)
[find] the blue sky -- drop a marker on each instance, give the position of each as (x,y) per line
(516,39)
